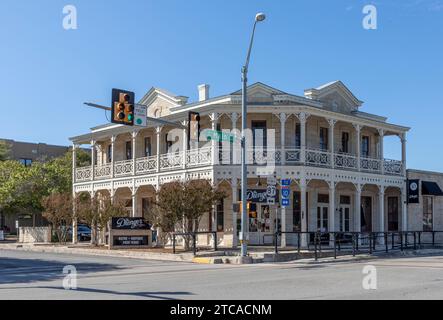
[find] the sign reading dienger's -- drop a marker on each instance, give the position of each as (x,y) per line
(125,223)
(130,232)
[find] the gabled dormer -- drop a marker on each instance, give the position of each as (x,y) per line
(160,102)
(335,96)
(260,93)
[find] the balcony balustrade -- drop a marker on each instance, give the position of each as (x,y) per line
(203,157)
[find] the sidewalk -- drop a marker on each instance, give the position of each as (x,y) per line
(224,255)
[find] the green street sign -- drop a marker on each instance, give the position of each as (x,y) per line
(219,136)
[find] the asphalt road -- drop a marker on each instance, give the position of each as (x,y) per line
(26,275)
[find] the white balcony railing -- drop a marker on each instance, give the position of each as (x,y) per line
(393,167)
(204,157)
(345,161)
(83,174)
(199,157)
(146,165)
(318,158)
(123,168)
(103,171)
(370,165)
(171,161)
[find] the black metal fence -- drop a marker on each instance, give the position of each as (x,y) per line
(347,243)
(193,237)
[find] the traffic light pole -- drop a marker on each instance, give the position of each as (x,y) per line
(149,119)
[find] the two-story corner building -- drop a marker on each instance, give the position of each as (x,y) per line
(331,151)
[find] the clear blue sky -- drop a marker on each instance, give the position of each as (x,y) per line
(47,72)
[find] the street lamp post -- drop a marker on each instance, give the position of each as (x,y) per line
(244,234)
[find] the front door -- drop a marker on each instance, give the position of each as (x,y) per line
(392,213)
(366,214)
(261,225)
(344,212)
(322,217)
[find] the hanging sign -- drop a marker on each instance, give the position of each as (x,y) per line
(413,191)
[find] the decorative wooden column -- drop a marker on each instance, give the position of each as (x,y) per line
(381,208)
(283,118)
(381,134)
(403,152)
(304,212)
(303,117)
(331,146)
(134,149)
(113,139)
(158,131)
(214,143)
(358,142)
(331,228)
(357,212)
(185,144)
(93,155)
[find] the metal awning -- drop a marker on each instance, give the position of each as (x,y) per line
(431,188)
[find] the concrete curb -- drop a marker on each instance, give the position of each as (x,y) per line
(183,257)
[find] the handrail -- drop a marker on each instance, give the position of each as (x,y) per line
(362,242)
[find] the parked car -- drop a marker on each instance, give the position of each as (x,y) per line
(83,232)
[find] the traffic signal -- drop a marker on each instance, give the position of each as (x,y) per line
(193,127)
(122,107)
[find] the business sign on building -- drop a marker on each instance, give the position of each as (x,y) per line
(126,223)
(413,191)
(259,195)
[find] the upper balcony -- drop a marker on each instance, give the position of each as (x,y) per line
(203,157)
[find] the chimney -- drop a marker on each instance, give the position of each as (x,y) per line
(203,92)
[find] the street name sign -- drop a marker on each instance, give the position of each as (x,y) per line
(219,136)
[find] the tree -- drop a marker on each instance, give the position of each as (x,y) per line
(181,205)
(58,211)
(22,189)
(96,212)
(4,150)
